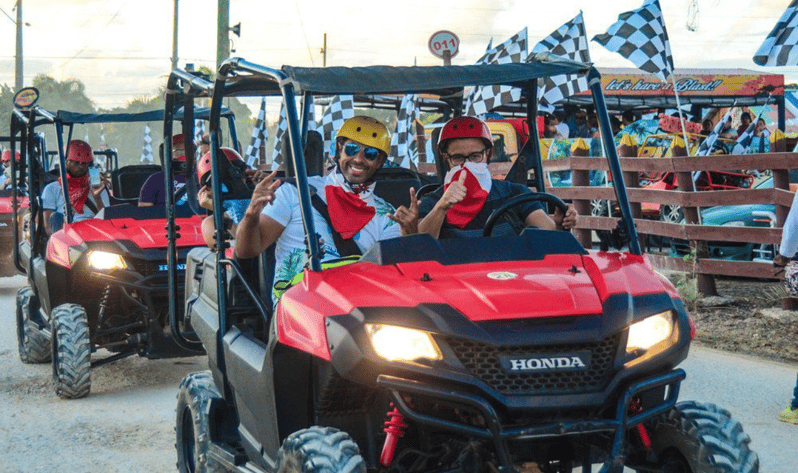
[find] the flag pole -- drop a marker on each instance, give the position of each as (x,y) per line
(679,109)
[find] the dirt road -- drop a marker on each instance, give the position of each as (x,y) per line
(125,425)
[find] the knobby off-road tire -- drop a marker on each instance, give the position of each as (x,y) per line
(192,428)
(33,341)
(320,450)
(71,351)
(701,438)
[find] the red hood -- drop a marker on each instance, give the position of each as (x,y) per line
(558,285)
(143,233)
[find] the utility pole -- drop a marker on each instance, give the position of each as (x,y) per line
(174,38)
(222,32)
(18,84)
(324,52)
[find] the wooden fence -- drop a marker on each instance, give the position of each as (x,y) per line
(779,163)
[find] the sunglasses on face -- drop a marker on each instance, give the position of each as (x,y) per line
(352,149)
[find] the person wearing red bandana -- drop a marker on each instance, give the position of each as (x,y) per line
(85,200)
(469,195)
(355,212)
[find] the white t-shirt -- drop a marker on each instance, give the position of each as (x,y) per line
(53,199)
(290,247)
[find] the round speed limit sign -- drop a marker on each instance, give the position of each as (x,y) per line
(442,41)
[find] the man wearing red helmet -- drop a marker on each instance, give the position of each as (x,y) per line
(6,161)
(469,194)
(356,218)
(85,200)
(153,192)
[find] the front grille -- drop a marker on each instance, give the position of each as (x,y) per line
(482,361)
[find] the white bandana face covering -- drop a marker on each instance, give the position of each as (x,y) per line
(479,170)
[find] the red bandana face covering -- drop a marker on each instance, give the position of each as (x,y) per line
(78,191)
(461,213)
(348,212)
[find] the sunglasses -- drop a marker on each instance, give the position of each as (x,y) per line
(352,149)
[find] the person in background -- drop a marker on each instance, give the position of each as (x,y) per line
(85,200)
(581,128)
(745,122)
(6,162)
(627,118)
(153,192)
(469,194)
(786,253)
(204,144)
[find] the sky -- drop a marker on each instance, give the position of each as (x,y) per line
(121,49)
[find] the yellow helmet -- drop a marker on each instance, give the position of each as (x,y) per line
(367,130)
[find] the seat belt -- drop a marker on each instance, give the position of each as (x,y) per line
(345,246)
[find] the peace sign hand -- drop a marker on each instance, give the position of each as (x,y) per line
(263,194)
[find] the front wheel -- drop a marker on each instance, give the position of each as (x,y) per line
(33,339)
(320,450)
(71,351)
(192,426)
(701,438)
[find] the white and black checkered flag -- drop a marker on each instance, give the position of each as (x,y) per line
(199,130)
(340,109)
(481,100)
(401,140)
(568,41)
(708,144)
(745,138)
(640,36)
(146,153)
(259,136)
(779,48)
(279,136)
(312,114)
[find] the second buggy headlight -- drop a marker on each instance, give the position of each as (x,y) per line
(650,331)
(402,344)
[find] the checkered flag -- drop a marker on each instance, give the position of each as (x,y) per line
(279,136)
(708,144)
(259,136)
(340,109)
(401,140)
(481,100)
(779,46)
(312,114)
(747,136)
(640,36)
(146,153)
(568,41)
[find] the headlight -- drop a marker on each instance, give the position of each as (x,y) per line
(650,331)
(402,344)
(104,261)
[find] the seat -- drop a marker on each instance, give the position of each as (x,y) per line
(126,181)
(393,185)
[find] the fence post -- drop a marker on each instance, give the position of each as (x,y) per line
(581,177)
(705,282)
(628,149)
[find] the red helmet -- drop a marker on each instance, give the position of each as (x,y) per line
(204,163)
(79,151)
(465,127)
(7,156)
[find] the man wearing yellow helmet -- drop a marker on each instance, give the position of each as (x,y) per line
(356,218)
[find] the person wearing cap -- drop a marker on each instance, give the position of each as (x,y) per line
(356,214)
(469,194)
(153,191)
(85,200)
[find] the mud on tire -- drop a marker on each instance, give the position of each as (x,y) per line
(320,450)
(701,438)
(71,351)
(192,428)
(33,340)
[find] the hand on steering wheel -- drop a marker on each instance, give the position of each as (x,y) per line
(518,201)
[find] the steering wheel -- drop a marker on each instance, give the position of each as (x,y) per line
(518,201)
